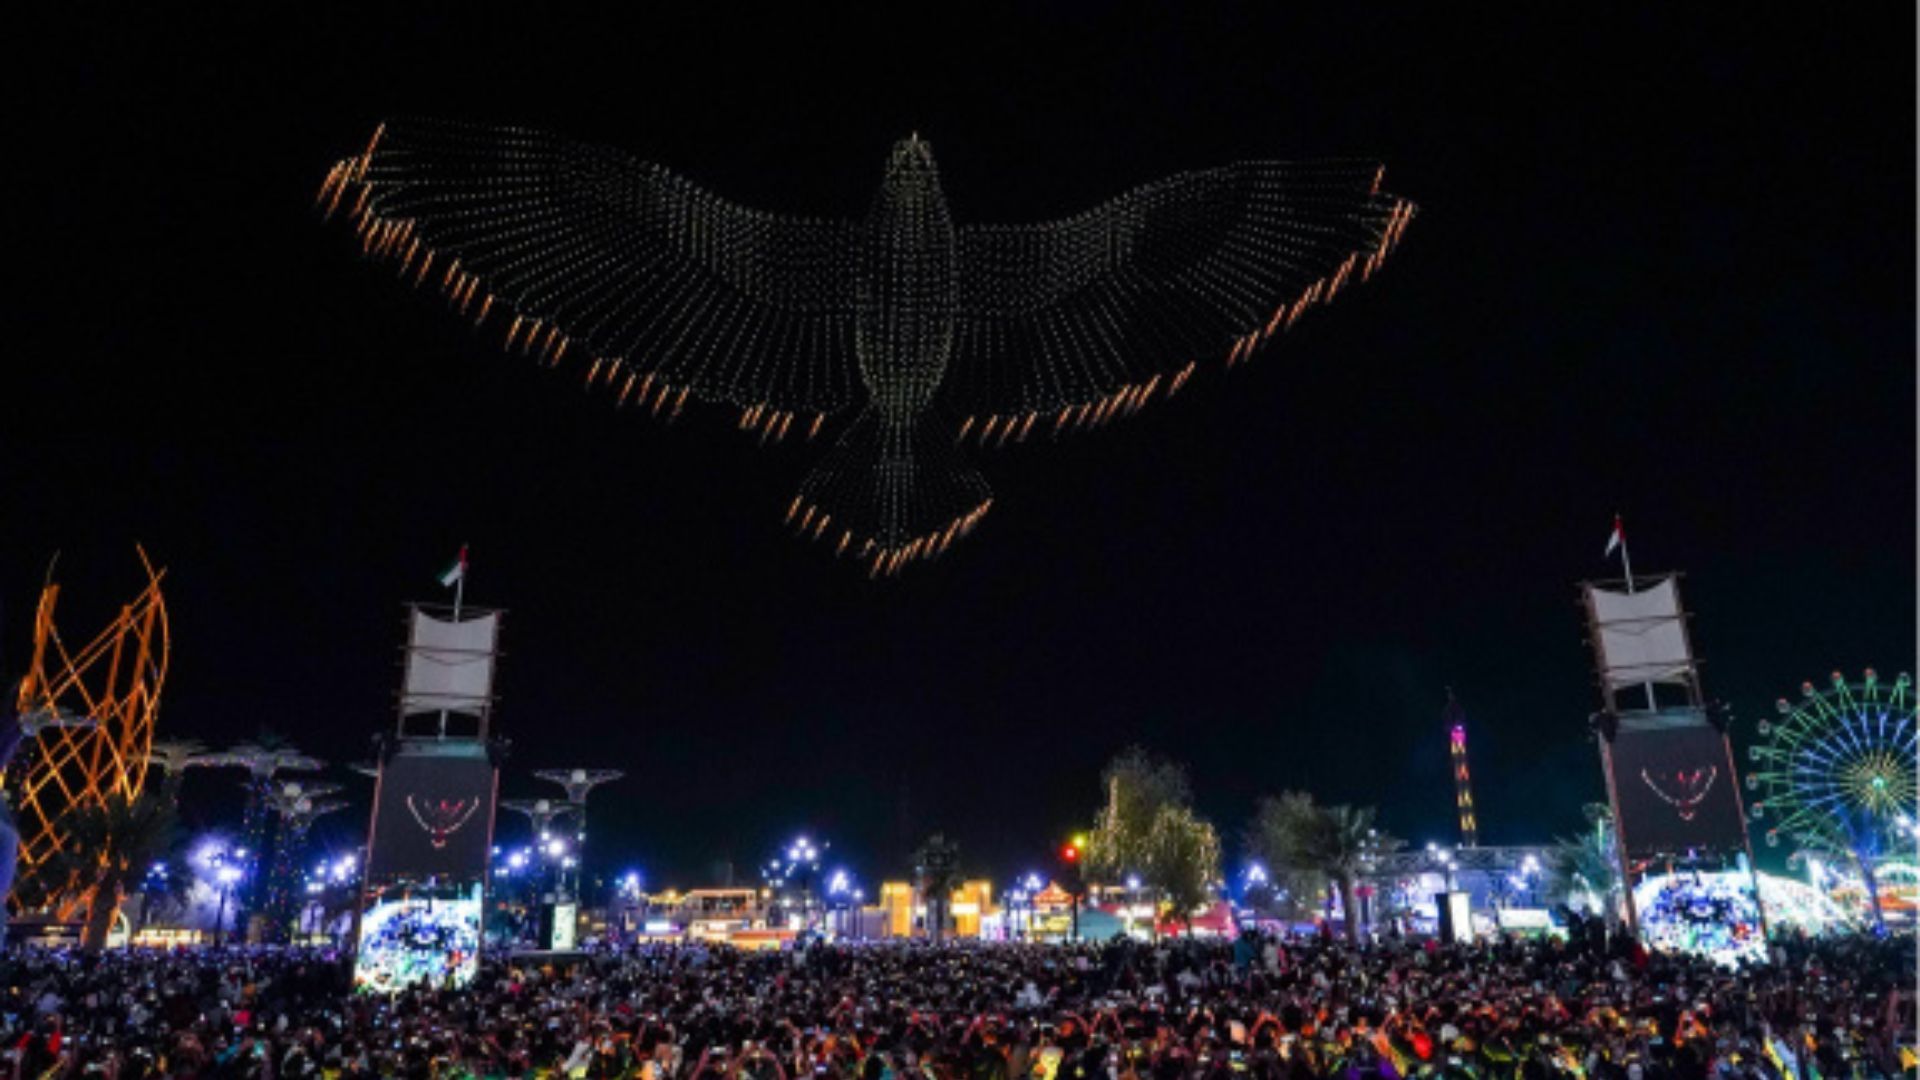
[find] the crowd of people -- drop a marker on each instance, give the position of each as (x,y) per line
(1258,1007)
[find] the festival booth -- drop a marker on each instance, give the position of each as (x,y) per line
(1097,925)
(1215,920)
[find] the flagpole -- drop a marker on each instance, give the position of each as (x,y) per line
(459,590)
(1626,564)
(460,583)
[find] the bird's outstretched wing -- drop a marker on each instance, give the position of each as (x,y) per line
(663,290)
(1080,320)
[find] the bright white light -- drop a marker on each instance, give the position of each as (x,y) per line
(228,874)
(1133,882)
(567,862)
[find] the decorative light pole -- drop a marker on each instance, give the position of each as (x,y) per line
(839,895)
(578,784)
(1031,886)
(795,869)
(229,866)
(1133,900)
(173,757)
(298,806)
(262,761)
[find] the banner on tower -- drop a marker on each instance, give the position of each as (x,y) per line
(1674,786)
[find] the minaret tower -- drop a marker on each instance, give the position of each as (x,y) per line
(1455,719)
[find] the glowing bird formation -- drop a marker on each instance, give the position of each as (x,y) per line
(908,333)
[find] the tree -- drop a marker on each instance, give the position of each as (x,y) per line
(1298,836)
(1584,867)
(936,867)
(1139,786)
(1182,860)
(109,846)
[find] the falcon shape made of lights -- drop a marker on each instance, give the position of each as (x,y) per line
(913,332)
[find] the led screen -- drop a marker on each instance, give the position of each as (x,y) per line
(1674,788)
(408,937)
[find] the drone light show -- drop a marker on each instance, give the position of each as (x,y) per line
(906,333)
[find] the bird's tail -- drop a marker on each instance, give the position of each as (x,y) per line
(889,492)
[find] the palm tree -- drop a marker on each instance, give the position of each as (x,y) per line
(1338,842)
(1585,864)
(937,868)
(109,846)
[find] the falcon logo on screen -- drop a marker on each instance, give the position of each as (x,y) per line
(441,818)
(1685,791)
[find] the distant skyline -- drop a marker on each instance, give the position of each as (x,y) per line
(1664,267)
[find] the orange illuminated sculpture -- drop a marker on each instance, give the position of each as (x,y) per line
(89,715)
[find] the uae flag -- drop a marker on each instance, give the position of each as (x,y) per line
(1619,537)
(458,571)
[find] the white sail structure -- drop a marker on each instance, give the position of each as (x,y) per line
(450,664)
(1641,636)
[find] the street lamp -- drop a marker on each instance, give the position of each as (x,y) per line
(802,862)
(226,873)
(1032,887)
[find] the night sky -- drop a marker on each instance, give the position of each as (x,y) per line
(1664,267)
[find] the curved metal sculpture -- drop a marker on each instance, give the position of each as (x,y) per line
(1836,773)
(90,716)
(917,332)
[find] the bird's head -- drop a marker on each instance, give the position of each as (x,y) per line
(911,155)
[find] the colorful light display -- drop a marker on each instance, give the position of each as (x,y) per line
(665,293)
(1836,773)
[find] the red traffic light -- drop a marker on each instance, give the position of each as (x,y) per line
(1070,853)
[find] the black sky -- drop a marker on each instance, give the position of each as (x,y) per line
(1664,266)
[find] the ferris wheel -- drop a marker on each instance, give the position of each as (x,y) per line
(1836,772)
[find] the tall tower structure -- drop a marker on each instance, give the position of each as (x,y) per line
(1455,719)
(423,885)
